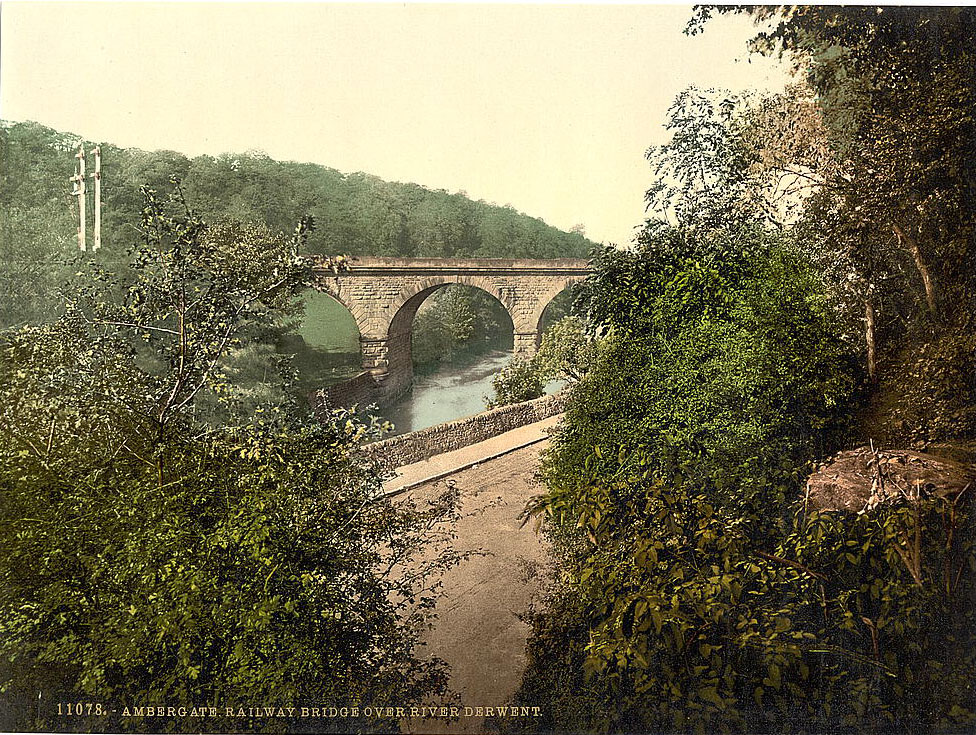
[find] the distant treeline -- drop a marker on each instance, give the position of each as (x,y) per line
(355,213)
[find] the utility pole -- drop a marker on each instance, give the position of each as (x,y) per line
(98,198)
(80,189)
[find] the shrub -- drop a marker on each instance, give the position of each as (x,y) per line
(516,382)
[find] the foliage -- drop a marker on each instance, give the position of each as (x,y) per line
(680,618)
(701,174)
(199,294)
(928,393)
(719,339)
(517,382)
(560,306)
(36,229)
(325,347)
(695,594)
(357,214)
(889,159)
(567,352)
(27,282)
(721,377)
(458,321)
(165,542)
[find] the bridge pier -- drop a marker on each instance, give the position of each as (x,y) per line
(525,344)
(389,361)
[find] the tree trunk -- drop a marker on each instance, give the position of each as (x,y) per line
(869,340)
(923,269)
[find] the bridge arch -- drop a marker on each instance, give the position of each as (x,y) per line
(539,314)
(399,335)
(383,295)
(323,312)
(428,285)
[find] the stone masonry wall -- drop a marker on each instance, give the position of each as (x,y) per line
(420,445)
(362,390)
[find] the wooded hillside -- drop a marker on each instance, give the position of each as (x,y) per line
(354,214)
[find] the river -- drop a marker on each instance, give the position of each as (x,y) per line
(450,392)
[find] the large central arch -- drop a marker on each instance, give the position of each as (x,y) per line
(383,295)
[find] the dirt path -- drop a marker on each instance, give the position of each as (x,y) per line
(479,632)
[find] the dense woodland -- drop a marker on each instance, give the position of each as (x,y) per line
(176,527)
(354,214)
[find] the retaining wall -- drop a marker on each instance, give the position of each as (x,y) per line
(420,445)
(361,389)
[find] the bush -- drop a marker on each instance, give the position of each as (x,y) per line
(718,343)
(567,352)
(694,594)
(517,382)
(675,620)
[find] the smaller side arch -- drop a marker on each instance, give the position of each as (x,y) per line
(547,298)
(333,287)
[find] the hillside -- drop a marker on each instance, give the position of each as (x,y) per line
(355,213)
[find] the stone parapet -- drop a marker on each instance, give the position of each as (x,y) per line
(372,266)
(418,446)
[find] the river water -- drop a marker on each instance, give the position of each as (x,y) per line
(451,392)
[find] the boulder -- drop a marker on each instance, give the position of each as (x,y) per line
(859,479)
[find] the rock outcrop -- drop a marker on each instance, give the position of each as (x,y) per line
(860,479)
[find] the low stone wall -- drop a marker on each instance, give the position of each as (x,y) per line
(360,390)
(420,445)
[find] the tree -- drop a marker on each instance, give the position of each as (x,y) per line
(358,214)
(694,592)
(164,542)
(37,257)
(38,248)
(567,352)
(895,96)
(517,382)
(457,321)
(701,175)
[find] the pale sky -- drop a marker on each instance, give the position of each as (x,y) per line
(548,108)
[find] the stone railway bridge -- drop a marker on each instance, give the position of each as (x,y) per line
(383,295)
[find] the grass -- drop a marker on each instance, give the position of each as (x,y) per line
(328,326)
